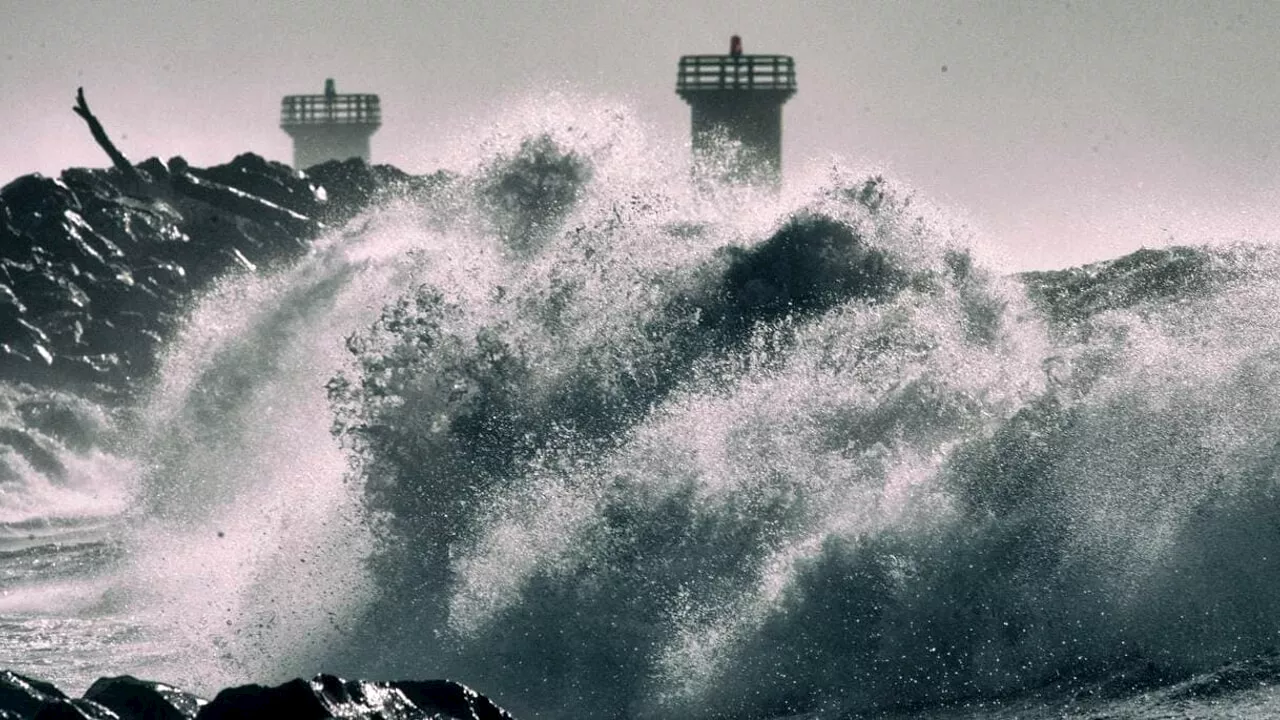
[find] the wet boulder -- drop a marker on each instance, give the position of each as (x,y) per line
(326,696)
(23,696)
(134,699)
(76,709)
(450,699)
(94,250)
(329,696)
(273,182)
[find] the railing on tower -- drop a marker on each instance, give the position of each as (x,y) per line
(347,109)
(741,72)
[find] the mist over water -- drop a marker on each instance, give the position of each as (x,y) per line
(603,447)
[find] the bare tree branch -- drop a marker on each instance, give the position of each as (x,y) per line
(117,158)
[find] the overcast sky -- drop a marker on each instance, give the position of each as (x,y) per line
(1063,131)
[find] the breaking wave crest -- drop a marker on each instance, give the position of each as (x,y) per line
(663,459)
(55,478)
(563,428)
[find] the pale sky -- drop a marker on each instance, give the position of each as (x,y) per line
(1062,131)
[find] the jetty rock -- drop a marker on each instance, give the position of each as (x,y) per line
(22,697)
(129,697)
(97,265)
(324,696)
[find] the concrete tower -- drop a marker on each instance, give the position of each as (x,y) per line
(329,126)
(736,102)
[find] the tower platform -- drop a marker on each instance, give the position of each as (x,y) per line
(329,126)
(736,107)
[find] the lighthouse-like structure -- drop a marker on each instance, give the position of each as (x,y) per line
(736,103)
(329,126)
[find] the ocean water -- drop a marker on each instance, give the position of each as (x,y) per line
(601,446)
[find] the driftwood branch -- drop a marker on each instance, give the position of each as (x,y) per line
(117,158)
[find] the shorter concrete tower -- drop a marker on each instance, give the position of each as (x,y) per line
(329,126)
(736,102)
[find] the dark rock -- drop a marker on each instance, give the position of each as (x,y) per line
(134,699)
(82,254)
(270,181)
(349,186)
(33,197)
(326,696)
(238,204)
(451,699)
(293,699)
(24,696)
(74,710)
(154,170)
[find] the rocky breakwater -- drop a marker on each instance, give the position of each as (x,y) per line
(96,266)
(325,696)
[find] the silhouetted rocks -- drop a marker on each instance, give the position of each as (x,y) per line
(77,709)
(23,696)
(450,699)
(328,696)
(130,697)
(96,267)
(325,696)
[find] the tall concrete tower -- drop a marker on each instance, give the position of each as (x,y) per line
(736,102)
(329,126)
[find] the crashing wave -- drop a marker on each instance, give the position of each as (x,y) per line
(610,448)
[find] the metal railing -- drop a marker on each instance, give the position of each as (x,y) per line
(740,72)
(330,110)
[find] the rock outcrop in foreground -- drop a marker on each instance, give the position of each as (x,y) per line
(325,696)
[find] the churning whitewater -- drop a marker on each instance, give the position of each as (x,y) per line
(602,446)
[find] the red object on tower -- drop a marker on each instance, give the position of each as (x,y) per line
(735,46)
